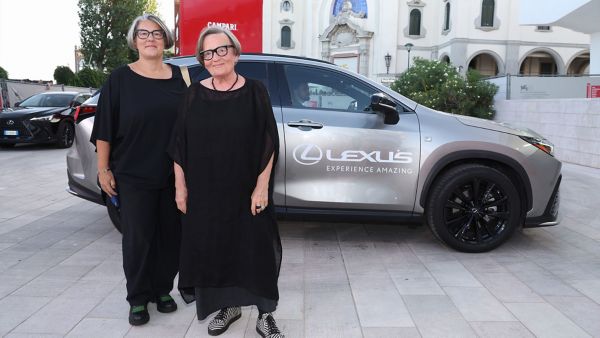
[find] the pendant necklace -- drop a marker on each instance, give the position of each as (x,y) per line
(212,81)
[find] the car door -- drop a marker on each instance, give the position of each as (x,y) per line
(339,153)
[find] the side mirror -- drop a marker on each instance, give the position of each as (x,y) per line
(17,103)
(381,103)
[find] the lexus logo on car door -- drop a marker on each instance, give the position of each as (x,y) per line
(10,122)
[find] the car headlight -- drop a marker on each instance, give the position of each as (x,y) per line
(50,118)
(541,144)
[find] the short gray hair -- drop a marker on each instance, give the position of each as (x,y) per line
(169,39)
(216,30)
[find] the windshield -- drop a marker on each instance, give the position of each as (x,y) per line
(48,100)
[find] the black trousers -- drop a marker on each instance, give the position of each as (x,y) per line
(151,229)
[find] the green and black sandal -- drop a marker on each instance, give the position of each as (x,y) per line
(138,315)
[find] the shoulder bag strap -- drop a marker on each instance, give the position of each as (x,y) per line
(186,75)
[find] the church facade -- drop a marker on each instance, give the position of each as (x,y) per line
(379,38)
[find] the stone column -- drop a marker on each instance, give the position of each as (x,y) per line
(363,50)
(512,58)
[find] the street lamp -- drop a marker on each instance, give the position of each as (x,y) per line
(388,60)
(408,46)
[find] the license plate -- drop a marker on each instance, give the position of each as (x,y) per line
(11,133)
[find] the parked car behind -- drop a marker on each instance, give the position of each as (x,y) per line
(42,118)
(356,148)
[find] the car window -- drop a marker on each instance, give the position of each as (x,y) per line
(251,70)
(48,100)
(325,89)
(81,98)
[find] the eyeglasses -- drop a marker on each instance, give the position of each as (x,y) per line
(210,53)
(144,34)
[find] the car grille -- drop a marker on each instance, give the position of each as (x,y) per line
(13,124)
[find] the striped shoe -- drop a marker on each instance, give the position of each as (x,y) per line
(223,319)
(267,328)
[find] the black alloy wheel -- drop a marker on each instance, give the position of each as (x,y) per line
(474,208)
(65,134)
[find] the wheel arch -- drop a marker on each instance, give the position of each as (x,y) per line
(506,164)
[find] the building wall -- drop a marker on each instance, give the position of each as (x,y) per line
(573,125)
(388,22)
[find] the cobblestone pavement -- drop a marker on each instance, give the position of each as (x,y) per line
(61,273)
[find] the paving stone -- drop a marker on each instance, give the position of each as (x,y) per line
(61,272)
(16,309)
(437,316)
(545,321)
(501,330)
(58,317)
(478,304)
(100,327)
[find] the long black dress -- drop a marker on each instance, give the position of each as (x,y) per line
(223,141)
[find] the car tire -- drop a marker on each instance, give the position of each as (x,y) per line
(114,214)
(473,208)
(65,134)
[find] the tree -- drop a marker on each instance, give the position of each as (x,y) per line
(438,85)
(3,74)
(88,77)
(64,75)
(104,25)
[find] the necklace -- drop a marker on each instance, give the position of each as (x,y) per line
(212,81)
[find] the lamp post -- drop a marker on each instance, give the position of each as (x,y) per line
(408,47)
(388,60)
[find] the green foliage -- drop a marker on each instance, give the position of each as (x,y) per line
(64,75)
(104,25)
(3,73)
(88,77)
(439,86)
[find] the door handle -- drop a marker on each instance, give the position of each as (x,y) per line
(305,124)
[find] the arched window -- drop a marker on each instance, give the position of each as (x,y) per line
(487,13)
(447,17)
(286,6)
(415,22)
(286,37)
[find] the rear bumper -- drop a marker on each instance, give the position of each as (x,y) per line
(550,215)
(79,190)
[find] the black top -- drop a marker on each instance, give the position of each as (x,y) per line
(223,140)
(136,114)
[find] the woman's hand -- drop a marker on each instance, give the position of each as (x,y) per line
(107,182)
(181,198)
(260,199)
(180,188)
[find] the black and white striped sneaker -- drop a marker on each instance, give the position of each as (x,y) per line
(223,319)
(266,327)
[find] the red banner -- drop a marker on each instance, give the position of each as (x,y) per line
(242,17)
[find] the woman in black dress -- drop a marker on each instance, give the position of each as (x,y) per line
(224,146)
(132,128)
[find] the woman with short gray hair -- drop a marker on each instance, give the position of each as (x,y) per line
(225,145)
(135,115)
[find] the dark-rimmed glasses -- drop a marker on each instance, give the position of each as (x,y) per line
(208,54)
(144,34)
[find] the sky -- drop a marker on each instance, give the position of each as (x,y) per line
(38,35)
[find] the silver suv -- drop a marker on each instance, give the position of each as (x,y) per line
(352,147)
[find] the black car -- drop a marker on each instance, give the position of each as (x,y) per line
(42,118)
